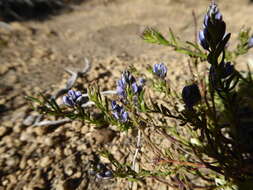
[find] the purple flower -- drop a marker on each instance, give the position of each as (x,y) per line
(102,172)
(136,88)
(127,83)
(127,78)
(202,40)
(191,95)
(105,175)
(160,70)
(72,98)
(119,112)
(121,88)
(214,28)
(250,42)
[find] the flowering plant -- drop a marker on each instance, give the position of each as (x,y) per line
(207,126)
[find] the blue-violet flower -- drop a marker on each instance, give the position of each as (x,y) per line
(119,112)
(160,70)
(128,82)
(250,42)
(214,28)
(72,98)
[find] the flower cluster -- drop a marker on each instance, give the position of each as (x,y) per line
(128,84)
(119,112)
(160,70)
(101,172)
(73,98)
(191,95)
(214,29)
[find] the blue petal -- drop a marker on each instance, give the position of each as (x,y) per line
(124,117)
(68,101)
(250,42)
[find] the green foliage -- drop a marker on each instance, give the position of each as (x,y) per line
(151,35)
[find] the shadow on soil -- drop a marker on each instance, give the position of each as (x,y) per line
(23,10)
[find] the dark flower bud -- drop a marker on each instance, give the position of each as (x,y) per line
(72,98)
(160,70)
(226,69)
(191,95)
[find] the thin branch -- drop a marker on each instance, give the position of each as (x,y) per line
(138,147)
(107,92)
(52,123)
(174,141)
(195,26)
(71,81)
(184,163)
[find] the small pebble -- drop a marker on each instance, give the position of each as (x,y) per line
(44,162)
(3,131)
(29,120)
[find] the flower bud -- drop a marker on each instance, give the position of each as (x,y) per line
(160,70)
(191,95)
(119,112)
(72,98)
(250,42)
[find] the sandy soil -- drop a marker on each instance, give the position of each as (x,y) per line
(107,33)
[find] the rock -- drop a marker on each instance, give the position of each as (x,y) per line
(82,147)
(3,131)
(49,141)
(12,161)
(44,162)
(103,136)
(3,149)
(69,170)
(25,136)
(22,163)
(16,26)
(40,131)
(84,130)
(67,151)
(3,69)
(13,179)
(29,120)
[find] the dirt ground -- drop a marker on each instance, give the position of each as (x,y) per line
(106,33)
